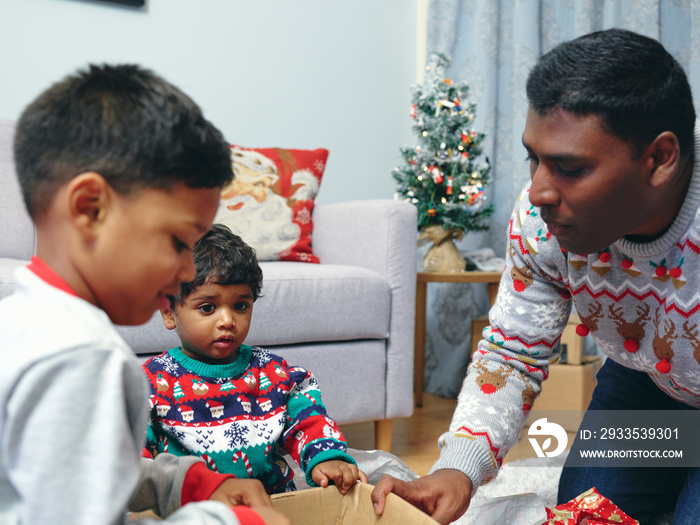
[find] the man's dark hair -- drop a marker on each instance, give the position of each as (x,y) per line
(124,122)
(637,88)
(222,257)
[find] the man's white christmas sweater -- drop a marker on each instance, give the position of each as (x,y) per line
(234,415)
(639,302)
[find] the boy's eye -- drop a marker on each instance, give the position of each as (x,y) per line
(179,245)
(206,308)
(241,307)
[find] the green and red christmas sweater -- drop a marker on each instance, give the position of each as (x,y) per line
(235,415)
(639,301)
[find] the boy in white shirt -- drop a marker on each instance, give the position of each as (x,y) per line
(121,174)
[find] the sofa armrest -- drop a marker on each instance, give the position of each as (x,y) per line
(374,234)
(380,235)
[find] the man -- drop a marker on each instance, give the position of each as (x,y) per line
(609,222)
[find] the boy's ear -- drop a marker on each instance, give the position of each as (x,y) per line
(168,315)
(664,158)
(89,194)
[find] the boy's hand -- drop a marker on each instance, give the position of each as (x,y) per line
(343,474)
(249,492)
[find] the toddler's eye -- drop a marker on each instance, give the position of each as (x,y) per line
(241,307)
(206,308)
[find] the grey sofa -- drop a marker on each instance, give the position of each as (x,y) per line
(350,319)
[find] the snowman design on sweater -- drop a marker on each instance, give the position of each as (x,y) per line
(236,415)
(639,301)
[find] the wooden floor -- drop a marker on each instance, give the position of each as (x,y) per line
(415,438)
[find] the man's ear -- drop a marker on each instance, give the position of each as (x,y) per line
(168,315)
(664,159)
(89,196)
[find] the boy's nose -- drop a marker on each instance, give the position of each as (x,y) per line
(187,271)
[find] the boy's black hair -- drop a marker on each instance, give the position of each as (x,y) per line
(222,257)
(637,88)
(124,122)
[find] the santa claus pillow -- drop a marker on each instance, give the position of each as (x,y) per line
(270,201)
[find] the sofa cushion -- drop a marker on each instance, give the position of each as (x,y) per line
(18,230)
(332,303)
(7,275)
(347,399)
(270,201)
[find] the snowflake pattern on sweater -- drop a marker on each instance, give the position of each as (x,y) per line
(235,415)
(640,303)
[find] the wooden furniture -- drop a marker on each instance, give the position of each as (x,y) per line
(491,279)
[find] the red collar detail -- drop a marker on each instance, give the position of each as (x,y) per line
(42,270)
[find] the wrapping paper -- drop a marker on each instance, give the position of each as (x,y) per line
(590,508)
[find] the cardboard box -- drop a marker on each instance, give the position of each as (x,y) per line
(478,326)
(571,342)
(327,506)
(568,388)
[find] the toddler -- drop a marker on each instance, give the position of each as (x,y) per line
(231,404)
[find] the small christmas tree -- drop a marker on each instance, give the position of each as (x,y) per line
(441,175)
(177,390)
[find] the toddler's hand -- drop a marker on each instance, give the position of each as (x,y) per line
(343,474)
(249,492)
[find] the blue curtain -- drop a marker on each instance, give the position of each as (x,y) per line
(493,44)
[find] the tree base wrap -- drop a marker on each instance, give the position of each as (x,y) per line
(443,255)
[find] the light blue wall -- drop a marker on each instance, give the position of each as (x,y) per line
(302,73)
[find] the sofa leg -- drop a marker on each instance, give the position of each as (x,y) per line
(383,434)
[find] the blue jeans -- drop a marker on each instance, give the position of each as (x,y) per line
(645,494)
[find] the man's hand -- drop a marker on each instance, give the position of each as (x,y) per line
(444,495)
(249,492)
(343,474)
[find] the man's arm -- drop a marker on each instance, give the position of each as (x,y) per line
(504,378)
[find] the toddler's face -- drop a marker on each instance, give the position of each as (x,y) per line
(146,249)
(213,322)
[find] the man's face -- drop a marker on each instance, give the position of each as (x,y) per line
(591,187)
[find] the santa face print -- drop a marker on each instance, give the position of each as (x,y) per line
(589,184)
(253,211)
(213,322)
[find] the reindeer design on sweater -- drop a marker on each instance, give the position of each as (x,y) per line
(663,345)
(490,381)
(631,332)
(589,323)
(522,276)
(690,332)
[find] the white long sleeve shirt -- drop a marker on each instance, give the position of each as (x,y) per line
(74,412)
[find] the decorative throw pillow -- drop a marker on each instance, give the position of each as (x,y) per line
(270,200)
